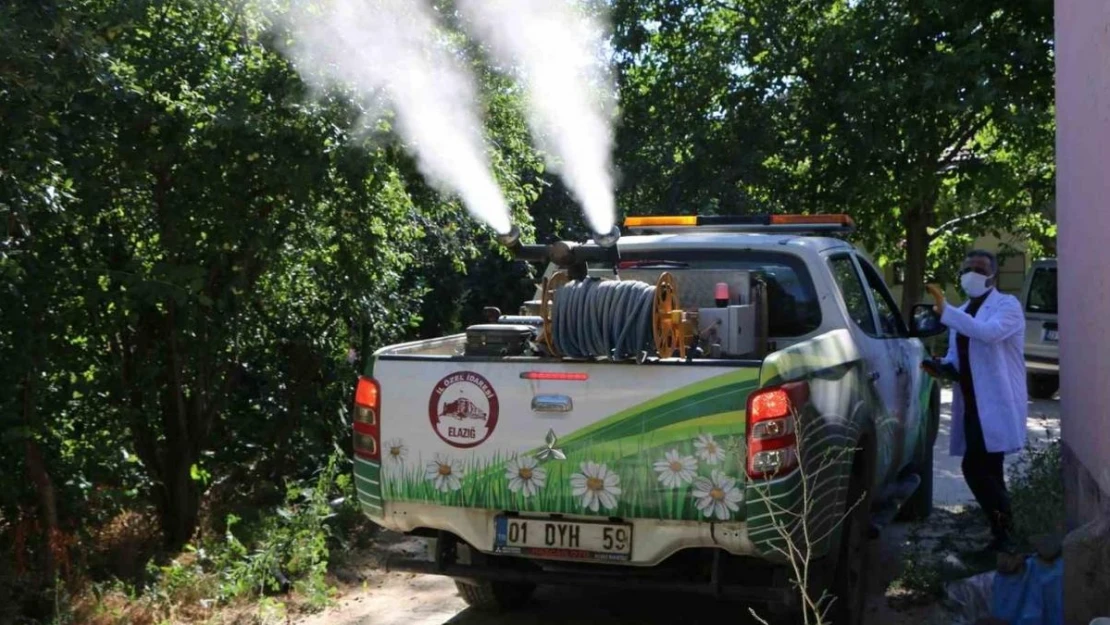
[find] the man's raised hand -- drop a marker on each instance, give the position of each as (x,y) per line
(938,298)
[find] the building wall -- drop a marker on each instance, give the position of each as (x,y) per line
(1083,220)
(1012,269)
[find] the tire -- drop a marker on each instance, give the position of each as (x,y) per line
(848,581)
(1043,386)
(920,505)
(489,596)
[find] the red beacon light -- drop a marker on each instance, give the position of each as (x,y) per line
(720,294)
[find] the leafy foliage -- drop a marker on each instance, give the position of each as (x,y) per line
(927,122)
(289,547)
(1037,500)
(194,243)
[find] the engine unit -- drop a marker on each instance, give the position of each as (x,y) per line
(729,331)
(499,339)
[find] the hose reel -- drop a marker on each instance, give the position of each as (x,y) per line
(596,318)
(547,304)
(673,328)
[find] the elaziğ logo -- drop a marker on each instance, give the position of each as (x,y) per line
(463,409)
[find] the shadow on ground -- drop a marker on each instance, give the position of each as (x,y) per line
(599,607)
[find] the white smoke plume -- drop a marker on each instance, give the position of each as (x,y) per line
(396,49)
(556,50)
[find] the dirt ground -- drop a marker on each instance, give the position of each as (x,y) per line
(405,599)
(374,597)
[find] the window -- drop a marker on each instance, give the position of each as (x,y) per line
(890,319)
(793,307)
(1042,292)
(851,289)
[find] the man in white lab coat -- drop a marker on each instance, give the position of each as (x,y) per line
(989,408)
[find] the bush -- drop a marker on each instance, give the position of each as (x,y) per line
(1036,493)
(283,550)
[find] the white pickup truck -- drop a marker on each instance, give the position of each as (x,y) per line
(1042,338)
(782,393)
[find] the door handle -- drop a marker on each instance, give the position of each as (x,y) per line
(552,403)
(873,376)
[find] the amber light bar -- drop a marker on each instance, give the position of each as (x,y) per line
(555,376)
(645,222)
(742,222)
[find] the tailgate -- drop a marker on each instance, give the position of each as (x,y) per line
(654,441)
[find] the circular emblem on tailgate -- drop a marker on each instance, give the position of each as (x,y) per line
(463,409)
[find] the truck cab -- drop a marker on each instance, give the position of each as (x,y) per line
(671,412)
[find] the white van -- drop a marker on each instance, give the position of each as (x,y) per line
(1042,339)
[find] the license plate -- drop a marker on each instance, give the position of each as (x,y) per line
(1052,335)
(565,540)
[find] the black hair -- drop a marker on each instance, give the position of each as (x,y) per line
(987,255)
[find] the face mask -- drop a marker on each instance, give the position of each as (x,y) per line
(974,284)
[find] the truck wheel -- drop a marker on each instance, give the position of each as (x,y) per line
(848,585)
(920,505)
(490,596)
(1043,386)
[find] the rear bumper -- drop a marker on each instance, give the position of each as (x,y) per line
(1042,365)
(653,540)
(715,579)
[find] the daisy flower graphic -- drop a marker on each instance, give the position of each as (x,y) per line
(596,485)
(445,473)
(710,451)
(717,495)
(524,476)
(676,470)
(395,451)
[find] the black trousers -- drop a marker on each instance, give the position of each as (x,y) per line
(984,473)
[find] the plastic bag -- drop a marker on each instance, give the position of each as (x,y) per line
(969,599)
(1035,596)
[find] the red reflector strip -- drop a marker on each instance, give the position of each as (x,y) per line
(366,428)
(554,375)
(809,220)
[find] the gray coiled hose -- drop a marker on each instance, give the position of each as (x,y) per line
(603,319)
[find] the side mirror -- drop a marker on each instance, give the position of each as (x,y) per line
(925,322)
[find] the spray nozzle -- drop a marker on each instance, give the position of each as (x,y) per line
(520,251)
(510,239)
(609,239)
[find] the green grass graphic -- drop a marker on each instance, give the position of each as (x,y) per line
(484,484)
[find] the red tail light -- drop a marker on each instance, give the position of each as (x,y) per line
(772,431)
(556,376)
(367,427)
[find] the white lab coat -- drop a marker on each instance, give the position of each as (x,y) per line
(996,352)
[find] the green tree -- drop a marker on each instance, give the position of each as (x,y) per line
(194,243)
(696,125)
(920,118)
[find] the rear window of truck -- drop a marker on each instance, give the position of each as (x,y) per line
(1042,292)
(794,309)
